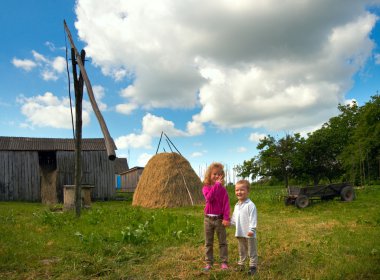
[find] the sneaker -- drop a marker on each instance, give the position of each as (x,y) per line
(224,266)
(240,268)
(252,270)
(207,268)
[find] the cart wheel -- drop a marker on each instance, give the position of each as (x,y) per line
(287,201)
(302,201)
(347,193)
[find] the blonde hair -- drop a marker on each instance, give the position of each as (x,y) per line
(244,183)
(214,165)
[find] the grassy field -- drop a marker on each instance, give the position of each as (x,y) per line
(113,240)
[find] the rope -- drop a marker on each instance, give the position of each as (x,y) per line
(68,78)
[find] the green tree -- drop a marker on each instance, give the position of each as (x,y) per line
(277,157)
(322,150)
(249,169)
(361,155)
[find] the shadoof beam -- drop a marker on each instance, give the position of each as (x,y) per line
(110,145)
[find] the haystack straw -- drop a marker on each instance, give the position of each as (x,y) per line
(168,180)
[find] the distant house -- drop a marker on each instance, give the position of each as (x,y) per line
(121,165)
(36,169)
(130,179)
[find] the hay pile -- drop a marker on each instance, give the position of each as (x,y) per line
(168,180)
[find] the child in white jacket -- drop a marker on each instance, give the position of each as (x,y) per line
(244,219)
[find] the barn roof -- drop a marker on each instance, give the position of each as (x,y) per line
(121,165)
(49,144)
(133,169)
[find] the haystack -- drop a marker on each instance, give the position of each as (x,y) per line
(168,180)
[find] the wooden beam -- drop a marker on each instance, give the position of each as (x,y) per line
(110,145)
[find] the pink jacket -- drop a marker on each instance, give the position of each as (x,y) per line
(217,201)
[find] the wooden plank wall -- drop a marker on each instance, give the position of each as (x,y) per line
(130,180)
(97,170)
(19,176)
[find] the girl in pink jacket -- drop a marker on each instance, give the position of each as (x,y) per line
(217,214)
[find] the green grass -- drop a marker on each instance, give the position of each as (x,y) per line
(113,240)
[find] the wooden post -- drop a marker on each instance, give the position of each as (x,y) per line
(78,86)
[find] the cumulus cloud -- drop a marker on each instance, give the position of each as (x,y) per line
(143,159)
(50,69)
(255,137)
(48,110)
(25,64)
(152,126)
(242,63)
(126,108)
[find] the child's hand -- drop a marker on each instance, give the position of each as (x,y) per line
(250,233)
(226,223)
(220,179)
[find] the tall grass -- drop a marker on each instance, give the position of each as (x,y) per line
(113,240)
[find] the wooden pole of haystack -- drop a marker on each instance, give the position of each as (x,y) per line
(110,145)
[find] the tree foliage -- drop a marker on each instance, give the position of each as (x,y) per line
(346,148)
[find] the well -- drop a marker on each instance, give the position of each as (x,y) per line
(69,196)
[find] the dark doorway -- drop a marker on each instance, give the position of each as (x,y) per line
(48,160)
(48,172)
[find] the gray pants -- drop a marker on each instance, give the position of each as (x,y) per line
(247,248)
(212,226)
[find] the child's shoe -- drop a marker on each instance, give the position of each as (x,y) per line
(240,268)
(252,270)
(207,267)
(224,266)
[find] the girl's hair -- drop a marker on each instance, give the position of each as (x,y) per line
(214,165)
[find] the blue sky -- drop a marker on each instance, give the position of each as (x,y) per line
(215,76)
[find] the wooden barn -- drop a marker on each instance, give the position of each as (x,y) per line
(121,165)
(130,179)
(36,169)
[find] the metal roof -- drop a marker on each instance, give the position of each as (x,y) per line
(49,144)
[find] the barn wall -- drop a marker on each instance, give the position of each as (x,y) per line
(97,170)
(19,176)
(130,180)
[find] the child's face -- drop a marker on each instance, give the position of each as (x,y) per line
(241,192)
(216,174)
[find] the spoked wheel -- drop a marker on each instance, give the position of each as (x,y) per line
(347,193)
(302,201)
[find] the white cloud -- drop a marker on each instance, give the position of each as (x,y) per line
(195,128)
(196,154)
(50,69)
(99,93)
(243,63)
(39,57)
(255,137)
(59,64)
(25,64)
(126,108)
(48,110)
(377,58)
(152,126)
(241,149)
(143,159)
(134,141)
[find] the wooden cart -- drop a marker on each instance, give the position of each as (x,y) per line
(301,196)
